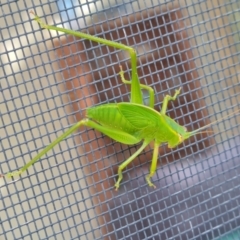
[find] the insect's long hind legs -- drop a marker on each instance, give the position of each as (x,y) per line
(142,86)
(169,98)
(49,147)
(126,162)
(153,165)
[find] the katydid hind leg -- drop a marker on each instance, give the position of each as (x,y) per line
(115,134)
(169,98)
(142,86)
(153,166)
(112,133)
(136,94)
(48,148)
(127,162)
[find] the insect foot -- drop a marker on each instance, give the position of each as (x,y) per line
(148,179)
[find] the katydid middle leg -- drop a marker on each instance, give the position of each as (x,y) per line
(127,162)
(142,86)
(153,165)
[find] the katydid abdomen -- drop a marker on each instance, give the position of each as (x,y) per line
(110,116)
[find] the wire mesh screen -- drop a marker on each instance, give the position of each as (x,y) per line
(48,80)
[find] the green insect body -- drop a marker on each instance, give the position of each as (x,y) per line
(126,122)
(140,123)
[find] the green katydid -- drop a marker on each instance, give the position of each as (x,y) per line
(126,122)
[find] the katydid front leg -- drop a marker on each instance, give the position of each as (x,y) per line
(169,98)
(153,166)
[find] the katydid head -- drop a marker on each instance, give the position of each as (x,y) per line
(180,133)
